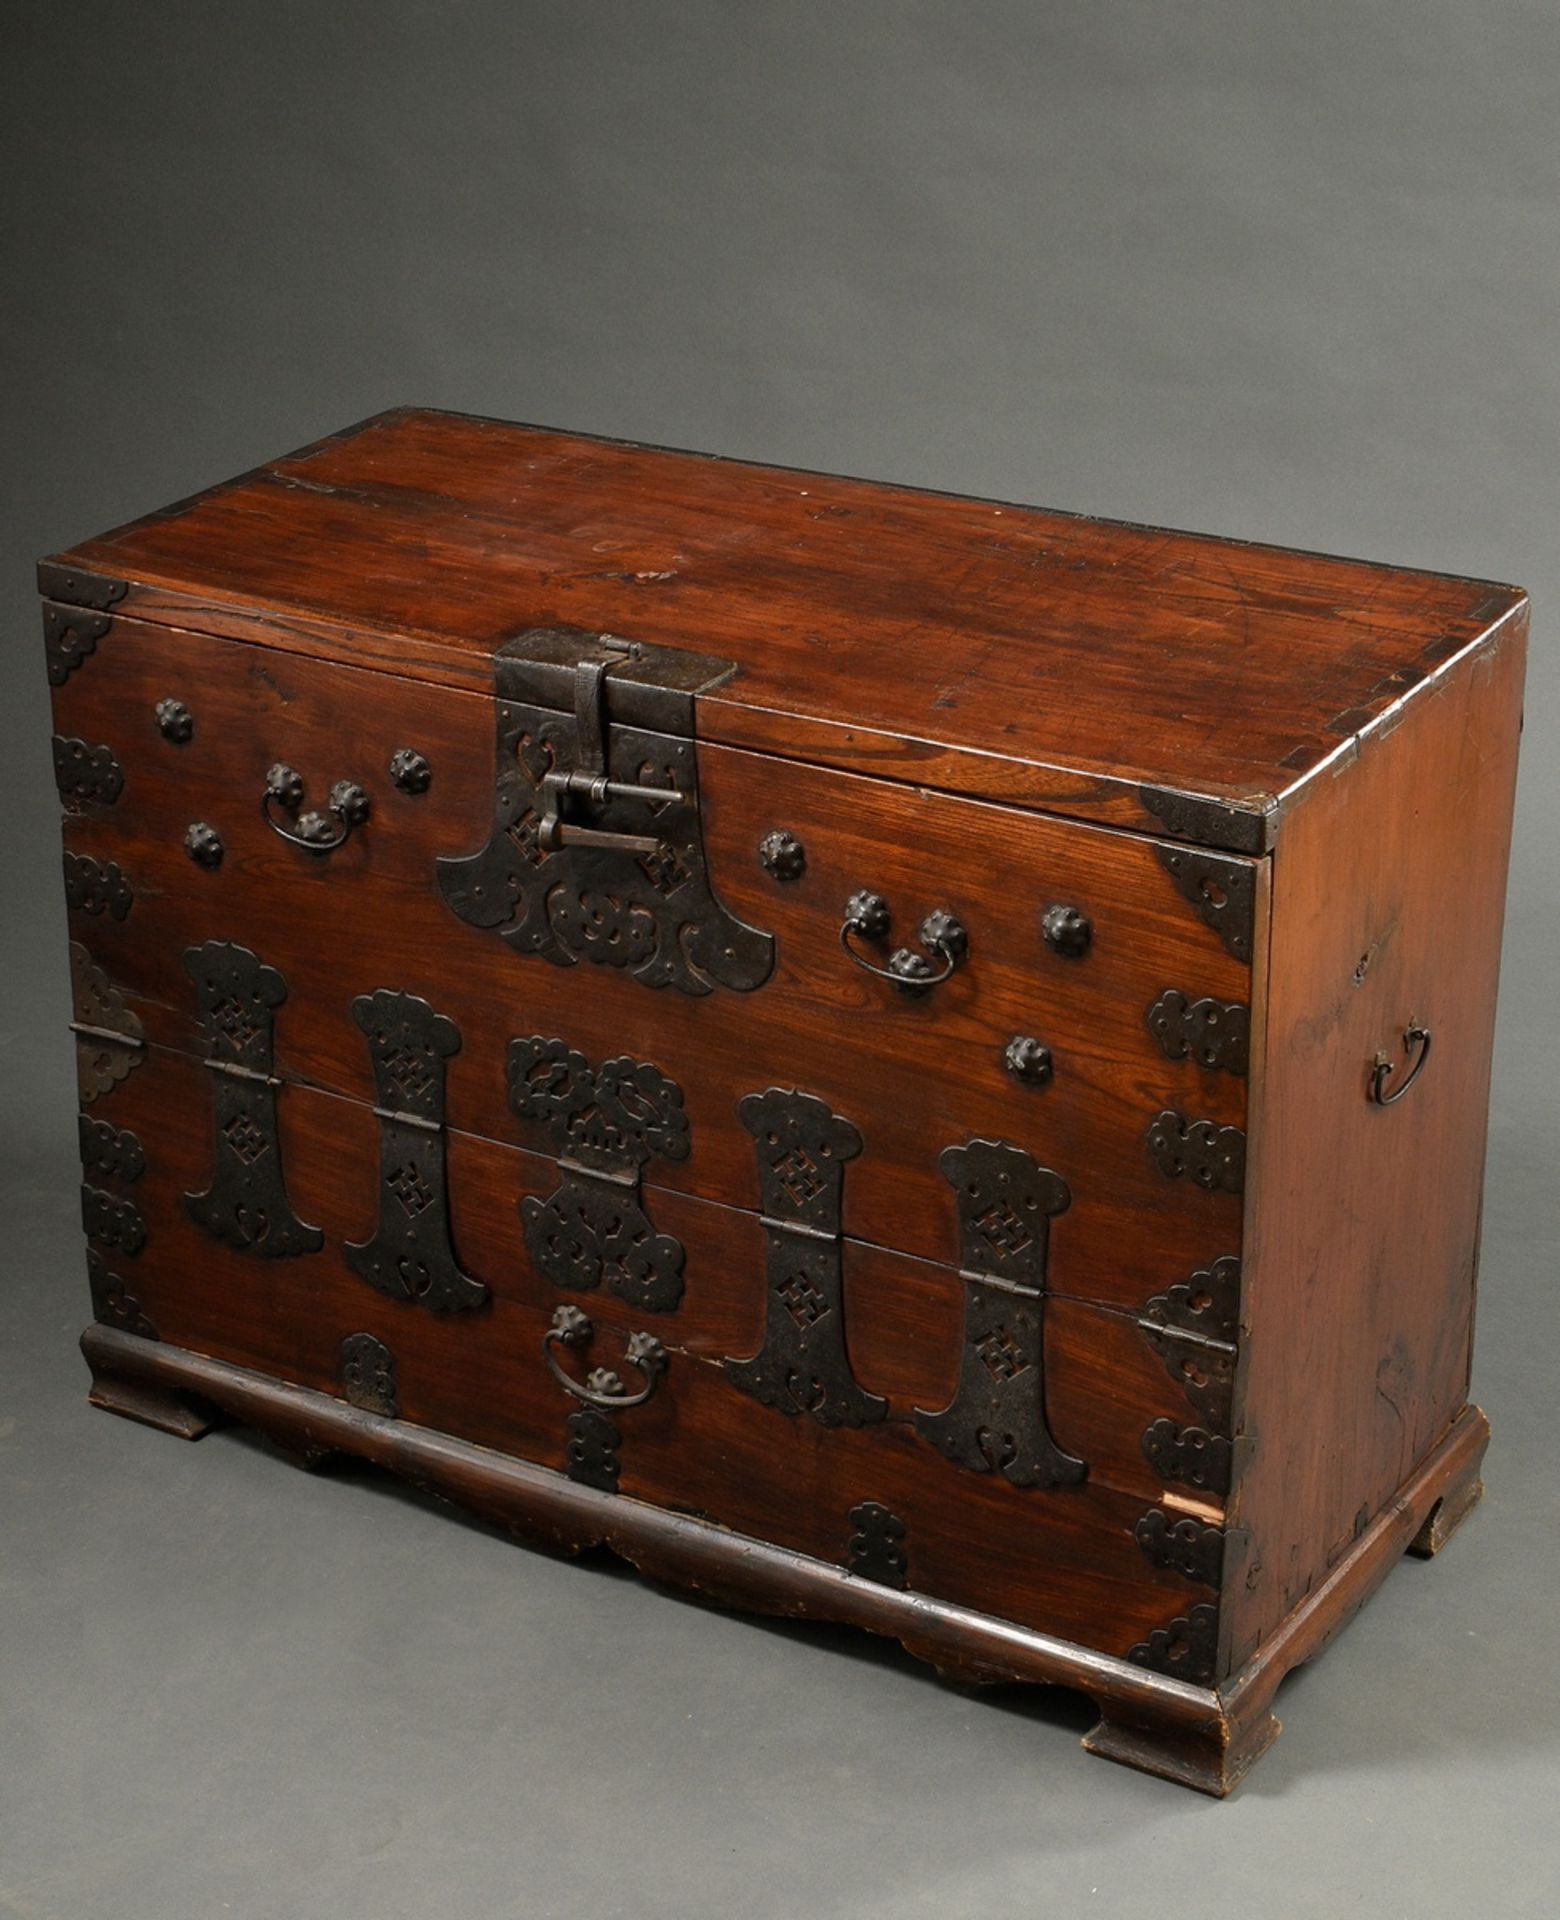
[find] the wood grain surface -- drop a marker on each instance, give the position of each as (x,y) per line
(1062,1559)
(1061,662)
(1363,1222)
(960,706)
(914,1075)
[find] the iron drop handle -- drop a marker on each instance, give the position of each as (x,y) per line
(1414,1036)
(602,1387)
(867,917)
(315,831)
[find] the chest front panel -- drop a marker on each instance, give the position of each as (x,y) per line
(888,1057)
(968,1252)
(1131,984)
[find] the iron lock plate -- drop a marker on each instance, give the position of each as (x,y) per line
(596,850)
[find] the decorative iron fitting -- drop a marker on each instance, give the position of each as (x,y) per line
(572,1331)
(75,615)
(1028,1061)
(107,1152)
(315,831)
(96,887)
(175,722)
(803,1366)
(1207,1304)
(112,1221)
(1067,931)
(204,845)
(596,850)
(110,1040)
(941,933)
(996,1420)
(83,772)
(1204,1371)
(70,634)
(410,1256)
(1211,1156)
(1211,823)
(606,1122)
(782,855)
(366,1371)
(1187,1649)
(246,1205)
(591,1450)
(79,587)
(1188,1456)
(1185,1546)
(410,772)
(1193,1327)
(1224,892)
(113,1304)
(1214,1033)
(877,1546)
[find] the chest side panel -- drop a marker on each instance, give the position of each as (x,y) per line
(1363,1230)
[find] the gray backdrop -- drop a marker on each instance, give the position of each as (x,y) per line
(1291,273)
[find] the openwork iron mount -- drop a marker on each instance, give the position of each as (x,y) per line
(996,1421)
(596,850)
(801,1148)
(876,1549)
(76,615)
(86,772)
(1193,1327)
(1211,1156)
(1216,1034)
(246,1205)
(410,1256)
(110,1039)
(366,1370)
(606,1123)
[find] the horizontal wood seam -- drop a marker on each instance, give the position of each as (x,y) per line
(949,1266)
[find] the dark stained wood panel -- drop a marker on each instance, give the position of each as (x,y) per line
(1057,1558)
(1059,662)
(915,1075)
(1208,1304)
(1363,1222)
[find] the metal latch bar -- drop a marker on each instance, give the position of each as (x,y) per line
(589,778)
(111,1035)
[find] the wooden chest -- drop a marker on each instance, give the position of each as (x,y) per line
(889,1057)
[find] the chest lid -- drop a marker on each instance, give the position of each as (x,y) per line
(1164,682)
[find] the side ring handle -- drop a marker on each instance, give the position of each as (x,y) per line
(867,917)
(315,832)
(1414,1036)
(601,1387)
